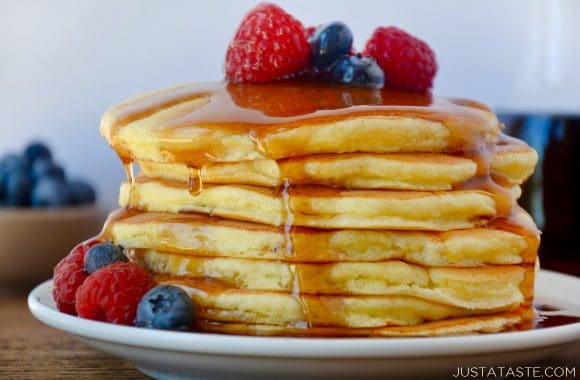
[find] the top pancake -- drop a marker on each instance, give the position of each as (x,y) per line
(200,124)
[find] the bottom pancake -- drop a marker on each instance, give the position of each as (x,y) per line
(519,319)
(216,302)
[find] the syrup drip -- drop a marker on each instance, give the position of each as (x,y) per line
(289,247)
(194,182)
(129,172)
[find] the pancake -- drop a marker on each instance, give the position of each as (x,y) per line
(486,287)
(219,303)
(429,172)
(514,163)
(319,206)
(201,235)
(499,322)
(199,124)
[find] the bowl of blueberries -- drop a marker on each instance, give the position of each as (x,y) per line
(43,214)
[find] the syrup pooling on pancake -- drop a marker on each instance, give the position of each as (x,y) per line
(258,111)
(266,115)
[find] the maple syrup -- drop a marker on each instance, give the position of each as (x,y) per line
(550,316)
(259,112)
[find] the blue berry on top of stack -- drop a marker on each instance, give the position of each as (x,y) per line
(328,43)
(356,71)
(34,179)
(332,57)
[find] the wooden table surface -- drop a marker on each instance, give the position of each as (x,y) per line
(31,350)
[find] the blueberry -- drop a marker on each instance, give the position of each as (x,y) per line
(328,43)
(363,72)
(49,192)
(37,150)
(43,167)
(102,255)
(165,307)
(81,193)
(11,163)
(17,188)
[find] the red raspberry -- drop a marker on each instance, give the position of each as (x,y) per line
(269,44)
(112,293)
(408,62)
(68,275)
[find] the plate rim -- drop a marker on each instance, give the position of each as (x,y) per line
(295,347)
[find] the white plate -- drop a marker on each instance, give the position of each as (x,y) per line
(164,354)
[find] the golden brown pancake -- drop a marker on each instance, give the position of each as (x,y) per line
(485,287)
(215,122)
(511,164)
(201,235)
(319,206)
(498,322)
(219,303)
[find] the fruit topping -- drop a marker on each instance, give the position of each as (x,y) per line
(356,71)
(102,255)
(68,275)
(328,43)
(408,62)
(112,293)
(269,44)
(165,307)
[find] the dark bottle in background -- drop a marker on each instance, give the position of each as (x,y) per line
(552,194)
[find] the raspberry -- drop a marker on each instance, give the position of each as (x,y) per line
(309,31)
(269,44)
(408,62)
(68,275)
(112,293)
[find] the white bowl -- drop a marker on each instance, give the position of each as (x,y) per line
(32,241)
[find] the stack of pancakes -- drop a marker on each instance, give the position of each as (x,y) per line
(307,208)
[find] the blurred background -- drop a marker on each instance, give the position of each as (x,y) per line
(63,62)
